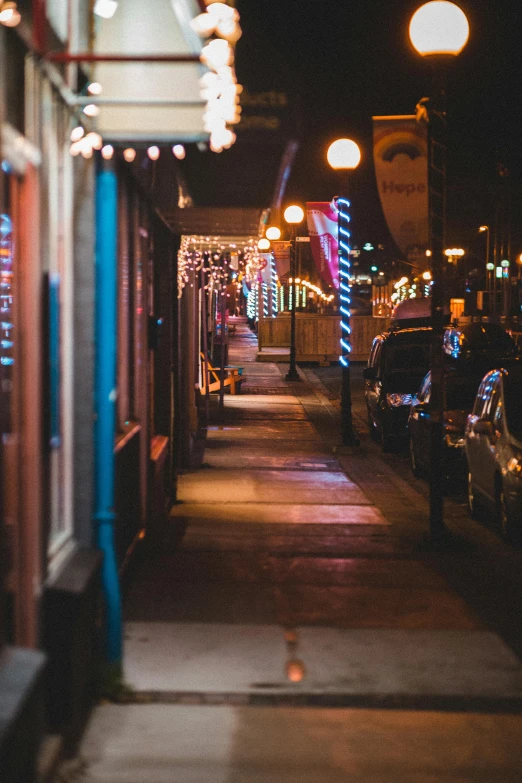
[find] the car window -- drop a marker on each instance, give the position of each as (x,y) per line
(374,352)
(424,391)
(460,392)
(513,408)
(498,415)
(407,357)
(479,400)
(487,396)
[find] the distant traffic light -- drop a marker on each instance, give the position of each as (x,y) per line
(374,269)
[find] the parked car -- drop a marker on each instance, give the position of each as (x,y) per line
(398,361)
(471,351)
(479,342)
(493,443)
(460,389)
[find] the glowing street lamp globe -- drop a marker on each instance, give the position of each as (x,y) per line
(294,214)
(439,28)
(264,244)
(273,232)
(344,154)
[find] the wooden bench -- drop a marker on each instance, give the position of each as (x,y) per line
(232,380)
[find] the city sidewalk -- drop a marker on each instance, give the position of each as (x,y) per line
(280,591)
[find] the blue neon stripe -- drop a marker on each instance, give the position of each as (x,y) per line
(343,361)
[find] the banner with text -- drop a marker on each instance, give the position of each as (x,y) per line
(400,153)
(321,217)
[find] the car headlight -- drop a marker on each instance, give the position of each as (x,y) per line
(398,399)
(454,440)
(515,465)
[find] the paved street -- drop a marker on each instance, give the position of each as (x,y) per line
(293,623)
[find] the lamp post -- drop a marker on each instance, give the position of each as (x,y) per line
(293,215)
(344,155)
(438,30)
(485,229)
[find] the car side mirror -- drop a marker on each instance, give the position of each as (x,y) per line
(483,427)
(370,373)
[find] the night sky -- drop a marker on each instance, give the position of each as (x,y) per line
(344,61)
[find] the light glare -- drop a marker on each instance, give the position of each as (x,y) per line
(129,154)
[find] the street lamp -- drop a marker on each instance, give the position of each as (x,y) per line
(273,232)
(344,155)
(439,30)
(293,215)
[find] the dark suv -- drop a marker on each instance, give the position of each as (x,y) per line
(398,361)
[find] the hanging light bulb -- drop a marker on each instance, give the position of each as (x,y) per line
(129,154)
(179,151)
(107,151)
(95,140)
(77,133)
(9,15)
(94,88)
(105,8)
(91,110)
(153,152)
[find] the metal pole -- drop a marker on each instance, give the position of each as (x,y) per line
(292,374)
(437,134)
(488,271)
(105,400)
(348,435)
(223,303)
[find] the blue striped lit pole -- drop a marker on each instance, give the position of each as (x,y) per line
(344,155)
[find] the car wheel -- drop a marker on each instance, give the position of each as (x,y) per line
(504,518)
(415,467)
(387,441)
(371,427)
(473,507)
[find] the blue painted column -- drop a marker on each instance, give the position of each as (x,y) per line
(105,399)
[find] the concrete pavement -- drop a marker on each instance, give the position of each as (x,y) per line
(290,587)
